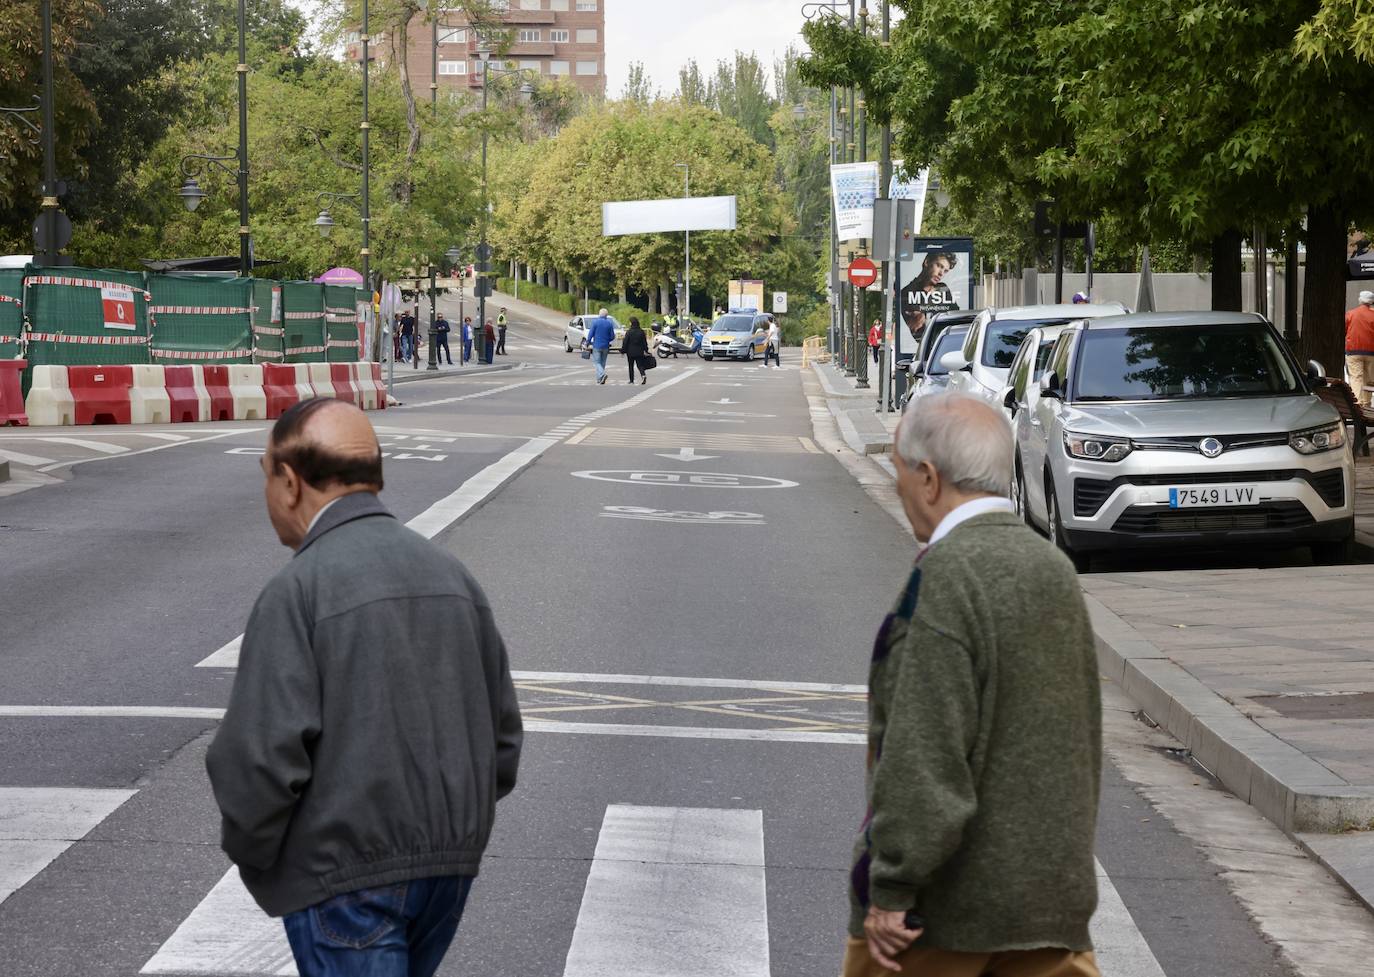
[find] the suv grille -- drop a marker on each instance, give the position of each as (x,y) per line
(1148,520)
(1089,494)
(1230,442)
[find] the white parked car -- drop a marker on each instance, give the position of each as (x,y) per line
(1023,378)
(981,367)
(1182,429)
(576,332)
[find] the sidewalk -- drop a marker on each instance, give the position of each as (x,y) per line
(1265,675)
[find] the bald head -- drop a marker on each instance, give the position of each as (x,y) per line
(965,439)
(330,445)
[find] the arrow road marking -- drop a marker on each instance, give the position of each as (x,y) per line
(688,454)
(723,400)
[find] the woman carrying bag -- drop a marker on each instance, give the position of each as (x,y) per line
(635,346)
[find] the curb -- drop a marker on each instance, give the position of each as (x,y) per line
(1288,787)
(4,471)
(412,375)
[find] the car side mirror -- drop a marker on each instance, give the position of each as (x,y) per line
(915,369)
(954,361)
(1051,387)
(1009,400)
(1316,373)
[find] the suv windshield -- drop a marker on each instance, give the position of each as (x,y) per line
(1183,363)
(1004,337)
(948,342)
(733,323)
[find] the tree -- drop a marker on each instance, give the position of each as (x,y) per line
(739,91)
(692,88)
(21,80)
(639,87)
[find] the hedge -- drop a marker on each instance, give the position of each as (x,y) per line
(551,298)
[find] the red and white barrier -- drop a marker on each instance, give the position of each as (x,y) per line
(186,394)
(160,394)
(50,402)
(11,400)
(149,402)
(101,393)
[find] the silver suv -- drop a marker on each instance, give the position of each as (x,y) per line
(1180,429)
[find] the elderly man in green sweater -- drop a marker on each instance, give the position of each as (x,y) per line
(985,741)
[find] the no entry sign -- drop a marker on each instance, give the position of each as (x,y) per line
(862,273)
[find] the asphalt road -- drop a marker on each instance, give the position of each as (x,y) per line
(689,587)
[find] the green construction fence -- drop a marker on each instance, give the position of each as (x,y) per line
(11,312)
(200,320)
(341,321)
(106,317)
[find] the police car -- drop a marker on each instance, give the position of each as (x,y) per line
(740,334)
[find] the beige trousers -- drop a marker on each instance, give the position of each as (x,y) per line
(1361,371)
(922,961)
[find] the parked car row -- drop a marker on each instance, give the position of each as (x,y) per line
(1191,429)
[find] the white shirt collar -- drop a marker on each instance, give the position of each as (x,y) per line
(325,508)
(965,512)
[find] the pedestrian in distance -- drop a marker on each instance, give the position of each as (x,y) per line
(441,331)
(407,336)
(1359,347)
(1081,298)
(501,332)
(600,336)
(467,338)
(985,741)
(773,347)
(875,339)
(635,346)
(373,722)
(489,341)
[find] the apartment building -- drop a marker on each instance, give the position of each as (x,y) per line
(556,38)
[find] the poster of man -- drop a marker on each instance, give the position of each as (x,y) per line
(943,281)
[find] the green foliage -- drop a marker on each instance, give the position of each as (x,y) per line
(549,298)
(551,215)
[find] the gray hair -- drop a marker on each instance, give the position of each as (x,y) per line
(605,311)
(1367,298)
(965,439)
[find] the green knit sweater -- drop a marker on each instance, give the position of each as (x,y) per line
(985,748)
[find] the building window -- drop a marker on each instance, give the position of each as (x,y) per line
(453,35)
(586,36)
(529,65)
(558,37)
(352,37)
(558,4)
(588,67)
(527,36)
(453,67)
(558,67)
(586,4)
(529,4)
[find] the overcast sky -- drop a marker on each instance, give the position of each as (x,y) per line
(666,34)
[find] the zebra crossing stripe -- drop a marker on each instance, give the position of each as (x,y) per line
(698,872)
(37,824)
(1121,949)
(226,934)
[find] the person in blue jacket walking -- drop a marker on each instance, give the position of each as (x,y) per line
(600,334)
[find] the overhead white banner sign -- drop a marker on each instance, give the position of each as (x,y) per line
(665,216)
(854,187)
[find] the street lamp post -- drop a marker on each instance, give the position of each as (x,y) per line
(687,274)
(483,248)
(191,193)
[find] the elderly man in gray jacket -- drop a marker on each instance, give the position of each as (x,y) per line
(373,722)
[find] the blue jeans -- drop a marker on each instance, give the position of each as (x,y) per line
(599,357)
(399,930)
(407,347)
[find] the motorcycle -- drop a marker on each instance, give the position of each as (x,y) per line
(669,345)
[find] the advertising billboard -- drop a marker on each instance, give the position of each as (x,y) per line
(940,279)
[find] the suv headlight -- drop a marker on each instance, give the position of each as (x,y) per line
(1318,439)
(1096,447)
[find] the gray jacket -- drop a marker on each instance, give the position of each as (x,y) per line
(373,723)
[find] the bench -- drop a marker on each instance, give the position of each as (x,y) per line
(1338,394)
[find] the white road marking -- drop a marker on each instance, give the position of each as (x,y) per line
(687,454)
(160,436)
(19,458)
(225,934)
(159,447)
(112,712)
(102,447)
(37,824)
(482,393)
(674,892)
(678,681)
(683,518)
(226,657)
(1121,950)
(693,732)
(687,479)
